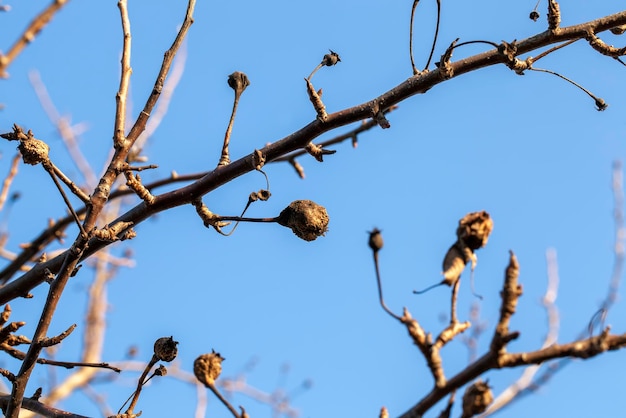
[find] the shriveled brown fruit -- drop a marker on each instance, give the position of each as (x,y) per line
(476,399)
(305,218)
(165,349)
(474,229)
(207,367)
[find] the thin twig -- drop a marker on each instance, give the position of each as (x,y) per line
(122,94)
(415,71)
(67,132)
(432,49)
(140,382)
(8,180)
(556,48)
(171,82)
(69,183)
(222,399)
(600,104)
(33,29)
(380,289)
(50,170)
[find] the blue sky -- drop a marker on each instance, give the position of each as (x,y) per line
(531,150)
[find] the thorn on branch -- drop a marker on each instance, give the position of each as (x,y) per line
(37,394)
(318,152)
(381,120)
(75,270)
(445,69)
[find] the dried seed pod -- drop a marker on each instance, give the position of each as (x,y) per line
(33,150)
(331,59)
(477,398)
(534,15)
(161,371)
(474,229)
(307,219)
(165,349)
(238,81)
(207,367)
(263,195)
(601,105)
(376,240)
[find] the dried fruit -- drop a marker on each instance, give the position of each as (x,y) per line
(534,15)
(238,81)
(474,229)
(207,367)
(165,349)
(331,59)
(376,240)
(476,398)
(307,219)
(34,151)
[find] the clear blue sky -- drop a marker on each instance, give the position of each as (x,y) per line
(530,150)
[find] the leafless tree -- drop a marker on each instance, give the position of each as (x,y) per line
(101,219)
